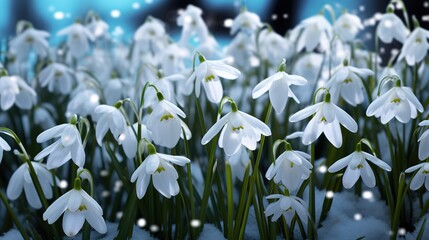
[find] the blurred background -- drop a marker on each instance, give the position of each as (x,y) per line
(125,16)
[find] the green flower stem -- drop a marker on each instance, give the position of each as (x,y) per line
(33,175)
(400,199)
(14,217)
(312,233)
(241,203)
(229,193)
(253,180)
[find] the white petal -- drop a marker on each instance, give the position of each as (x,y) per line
(214,129)
(305,113)
(350,177)
(72,222)
(51,133)
(265,85)
(339,164)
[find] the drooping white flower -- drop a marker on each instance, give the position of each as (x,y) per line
(68,146)
(238,128)
(159,167)
(357,166)
(312,32)
(77,206)
(45,116)
(108,118)
(424,142)
(415,47)
(4,146)
(151,36)
(128,139)
(30,40)
(98,27)
(172,59)
(347,26)
(287,206)
(327,118)
(241,50)
(83,103)
(57,77)
(208,73)
(347,83)
(21,180)
(246,22)
(273,47)
(164,123)
(164,85)
(391,27)
(116,89)
(291,168)
(192,24)
(421,176)
(78,38)
(278,86)
(399,102)
(14,90)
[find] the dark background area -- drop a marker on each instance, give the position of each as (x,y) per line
(52,15)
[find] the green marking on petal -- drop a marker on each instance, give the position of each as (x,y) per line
(291,164)
(360,166)
(396,100)
(210,77)
(82,208)
(166,117)
(237,128)
(160,169)
(348,80)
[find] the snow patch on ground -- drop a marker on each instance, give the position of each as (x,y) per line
(210,232)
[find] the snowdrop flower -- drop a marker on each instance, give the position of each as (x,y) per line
(151,36)
(4,146)
(97,27)
(238,128)
(68,146)
(159,167)
(83,103)
(278,86)
(172,59)
(77,39)
(58,78)
(164,85)
(357,166)
(391,27)
(109,118)
(274,47)
(398,102)
(164,123)
(128,139)
(424,142)
(21,180)
(247,22)
(193,24)
(347,26)
(420,177)
(312,32)
(347,83)
(415,47)
(77,206)
(14,90)
(241,50)
(291,168)
(208,73)
(30,39)
(116,89)
(287,206)
(327,118)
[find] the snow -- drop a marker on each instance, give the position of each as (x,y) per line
(210,232)
(12,234)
